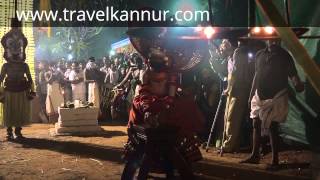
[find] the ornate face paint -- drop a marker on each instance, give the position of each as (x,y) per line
(14,44)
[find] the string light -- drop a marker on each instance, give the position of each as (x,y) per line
(268,30)
(256,30)
(209,32)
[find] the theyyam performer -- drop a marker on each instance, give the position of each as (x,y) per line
(16,81)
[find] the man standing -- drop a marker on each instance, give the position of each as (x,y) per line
(76,79)
(269,96)
(67,85)
(93,77)
(42,86)
(106,65)
(237,94)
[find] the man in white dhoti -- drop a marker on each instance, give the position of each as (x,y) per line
(67,85)
(54,92)
(93,77)
(76,79)
(269,97)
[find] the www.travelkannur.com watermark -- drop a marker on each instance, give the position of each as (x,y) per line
(113,15)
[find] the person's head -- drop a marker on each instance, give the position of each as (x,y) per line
(274,41)
(136,60)
(116,61)
(68,65)
(112,67)
(123,71)
(61,66)
(92,59)
(43,65)
(226,48)
(106,61)
(75,66)
(80,66)
(158,83)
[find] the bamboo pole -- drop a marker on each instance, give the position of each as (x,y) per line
(292,42)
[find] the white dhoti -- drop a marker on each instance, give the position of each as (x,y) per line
(79,92)
(54,98)
(94,94)
(269,110)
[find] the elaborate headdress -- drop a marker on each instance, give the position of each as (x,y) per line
(14,43)
(162,49)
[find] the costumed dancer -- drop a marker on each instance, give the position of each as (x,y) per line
(158,105)
(269,97)
(18,83)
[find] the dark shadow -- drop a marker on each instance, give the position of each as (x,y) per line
(294,166)
(106,153)
(114,123)
(103,133)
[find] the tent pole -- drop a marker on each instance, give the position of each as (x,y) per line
(287,11)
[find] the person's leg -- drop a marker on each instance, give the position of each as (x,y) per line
(235,112)
(9,134)
(17,132)
(274,141)
(255,155)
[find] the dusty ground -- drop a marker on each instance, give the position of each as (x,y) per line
(42,156)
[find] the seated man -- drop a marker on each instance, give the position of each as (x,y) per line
(156,105)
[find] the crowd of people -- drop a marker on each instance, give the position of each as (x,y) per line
(100,82)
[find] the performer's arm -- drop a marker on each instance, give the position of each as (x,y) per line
(3,73)
(29,77)
(128,76)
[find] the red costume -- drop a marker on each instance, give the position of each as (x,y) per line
(181,112)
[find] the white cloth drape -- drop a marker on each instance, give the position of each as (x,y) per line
(78,90)
(269,110)
(54,98)
(93,94)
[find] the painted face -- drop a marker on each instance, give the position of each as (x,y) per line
(159,83)
(14,44)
